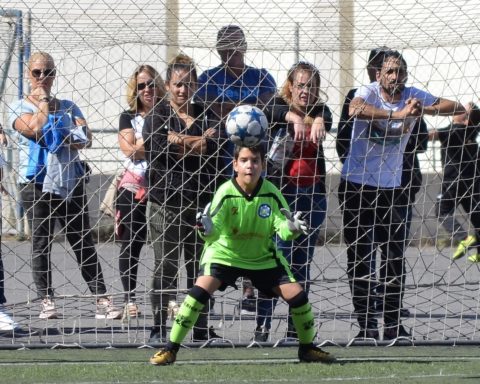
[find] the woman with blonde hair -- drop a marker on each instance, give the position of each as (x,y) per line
(145,88)
(52,187)
(302,120)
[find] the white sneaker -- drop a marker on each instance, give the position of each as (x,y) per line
(48,309)
(6,322)
(106,309)
(172,309)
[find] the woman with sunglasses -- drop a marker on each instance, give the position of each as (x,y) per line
(145,88)
(302,119)
(182,153)
(50,132)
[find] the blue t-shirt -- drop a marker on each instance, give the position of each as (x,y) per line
(219,85)
(67,113)
(377,147)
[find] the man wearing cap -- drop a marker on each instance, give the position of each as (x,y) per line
(230,84)
(233,82)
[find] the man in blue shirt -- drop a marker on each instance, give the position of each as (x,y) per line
(224,87)
(233,82)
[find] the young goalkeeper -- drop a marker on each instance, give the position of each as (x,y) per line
(238,228)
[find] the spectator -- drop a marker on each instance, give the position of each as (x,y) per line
(411,174)
(8,327)
(226,86)
(304,118)
(370,192)
(461,177)
(259,211)
(144,89)
(50,133)
(181,171)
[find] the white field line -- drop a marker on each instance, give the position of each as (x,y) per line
(252,361)
(374,379)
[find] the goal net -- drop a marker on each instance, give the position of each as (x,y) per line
(97,45)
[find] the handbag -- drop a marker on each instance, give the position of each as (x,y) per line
(280,153)
(134,183)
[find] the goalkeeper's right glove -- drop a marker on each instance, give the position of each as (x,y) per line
(204,221)
(295,223)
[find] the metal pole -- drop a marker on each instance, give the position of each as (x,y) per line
(297,42)
(10,49)
(20,54)
(172,18)
(347,22)
(21,64)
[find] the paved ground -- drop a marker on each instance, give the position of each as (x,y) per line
(443,298)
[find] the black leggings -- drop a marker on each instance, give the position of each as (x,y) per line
(133,229)
(373,216)
(464,191)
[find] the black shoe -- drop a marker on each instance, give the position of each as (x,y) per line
(312,354)
(157,335)
(404,312)
(18,333)
(367,334)
(261,334)
(394,332)
(248,306)
(204,334)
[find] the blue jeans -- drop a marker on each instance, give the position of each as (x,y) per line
(299,252)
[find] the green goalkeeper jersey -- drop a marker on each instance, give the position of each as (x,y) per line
(244,227)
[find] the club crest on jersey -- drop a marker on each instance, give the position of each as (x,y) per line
(264,211)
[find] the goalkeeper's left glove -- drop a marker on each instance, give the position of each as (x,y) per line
(295,223)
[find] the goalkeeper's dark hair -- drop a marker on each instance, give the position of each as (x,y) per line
(259,148)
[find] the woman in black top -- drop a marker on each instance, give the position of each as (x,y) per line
(181,152)
(302,119)
(145,88)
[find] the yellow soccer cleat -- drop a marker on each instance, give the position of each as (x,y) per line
(164,357)
(313,354)
(474,258)
(463,247)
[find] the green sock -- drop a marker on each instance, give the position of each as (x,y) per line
(186,318)
(304,323)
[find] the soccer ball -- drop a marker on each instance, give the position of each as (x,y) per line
(246,125)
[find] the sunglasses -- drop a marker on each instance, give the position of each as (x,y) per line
(149,84)
(49,72)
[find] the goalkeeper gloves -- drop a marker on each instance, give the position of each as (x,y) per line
(295,223)
(204,221)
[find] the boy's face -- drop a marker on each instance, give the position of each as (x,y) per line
(249,167)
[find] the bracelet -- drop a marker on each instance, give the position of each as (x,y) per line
(45,99)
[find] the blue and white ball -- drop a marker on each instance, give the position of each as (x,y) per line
(246,125)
